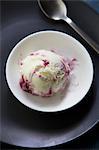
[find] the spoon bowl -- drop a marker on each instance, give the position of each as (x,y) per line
(53,9)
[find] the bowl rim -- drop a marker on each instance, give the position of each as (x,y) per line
(32,35)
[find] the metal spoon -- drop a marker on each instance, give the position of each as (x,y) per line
(56,10)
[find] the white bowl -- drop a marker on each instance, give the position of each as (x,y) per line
(65,45)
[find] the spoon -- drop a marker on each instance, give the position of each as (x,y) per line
(56,10)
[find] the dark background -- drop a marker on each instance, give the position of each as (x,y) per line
(88,20)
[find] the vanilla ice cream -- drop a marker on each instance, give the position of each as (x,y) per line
(44,73)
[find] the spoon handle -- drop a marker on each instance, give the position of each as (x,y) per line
(94,45)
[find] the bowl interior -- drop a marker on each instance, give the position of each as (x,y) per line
(64,45)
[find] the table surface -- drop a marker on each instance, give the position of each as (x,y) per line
(90,139)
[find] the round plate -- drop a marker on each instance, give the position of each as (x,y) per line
(24,127)
(64,45)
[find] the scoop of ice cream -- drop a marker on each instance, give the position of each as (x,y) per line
(44,73)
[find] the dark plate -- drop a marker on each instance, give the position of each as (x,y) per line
(22,126)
